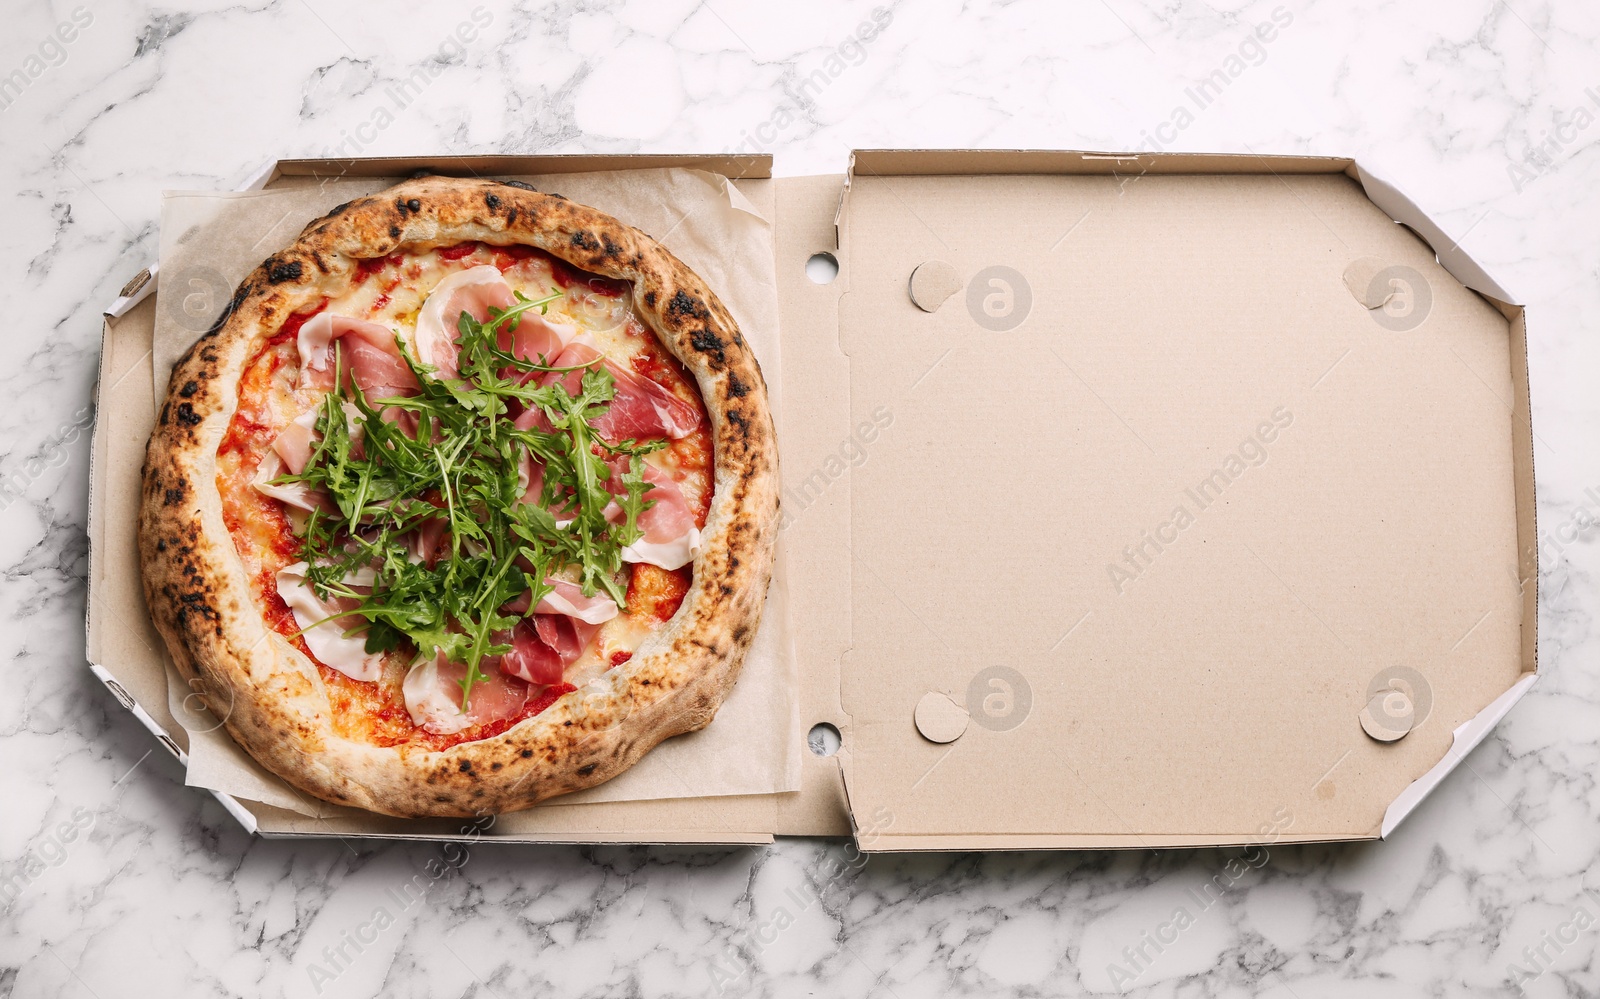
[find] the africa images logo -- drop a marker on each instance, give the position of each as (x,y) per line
(999,298)
(50,53)
(999,698)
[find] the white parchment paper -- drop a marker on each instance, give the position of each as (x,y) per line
(210,241)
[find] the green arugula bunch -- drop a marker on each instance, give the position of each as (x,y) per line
(461,465)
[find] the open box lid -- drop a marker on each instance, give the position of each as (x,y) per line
(981,525)
(1153,506)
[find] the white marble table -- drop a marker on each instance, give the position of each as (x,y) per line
(158,892)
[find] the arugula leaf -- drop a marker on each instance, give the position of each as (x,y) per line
(452,453)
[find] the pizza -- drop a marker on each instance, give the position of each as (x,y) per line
(468,499)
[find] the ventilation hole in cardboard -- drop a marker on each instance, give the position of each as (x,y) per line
(822,268)
(823,739)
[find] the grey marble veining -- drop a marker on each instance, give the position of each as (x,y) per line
(120,881)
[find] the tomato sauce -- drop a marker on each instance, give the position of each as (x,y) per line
(366,268)
(657,593)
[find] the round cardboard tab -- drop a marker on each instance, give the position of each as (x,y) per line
(1358,277)
(931,283)
(940,719)
(1389,716)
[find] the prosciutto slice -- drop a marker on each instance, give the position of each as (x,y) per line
(641,408)
(531,477)
(367,351)
(561,627)
(568,599)
(533,419)
(293,494)
(295,442)
(291,452)
(422,543)
(670,538)
(328,641)
(542,647)
(536,338)
(432,691)
(473,291)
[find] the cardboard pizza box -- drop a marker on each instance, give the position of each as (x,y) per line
(1129,501)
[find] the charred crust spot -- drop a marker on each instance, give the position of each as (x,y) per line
(161,545)
(733,561)
(685,307)
(707,342)
(587,769)
(585,241)
(337,210)
(737,388)
(650,299)
(740,632)
(511,216)
(415,205)
(189,389)
(394,232)
(279,271)
(518,184)
(492,200)
(611,249)
(685,304)
(322,265)
(187,416)
(558,197)
(727,590)
(239,295)
(466,766)
(527,754)
(496,765)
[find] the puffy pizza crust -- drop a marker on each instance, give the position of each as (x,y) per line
(271,696)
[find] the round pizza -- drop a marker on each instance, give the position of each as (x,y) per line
(467,500)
